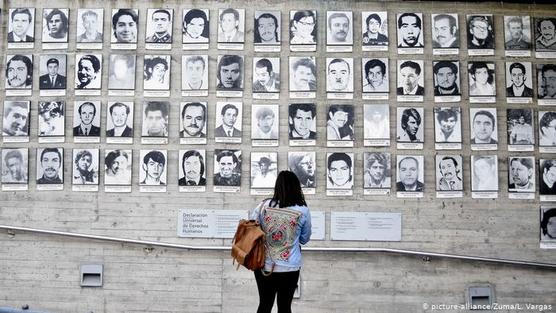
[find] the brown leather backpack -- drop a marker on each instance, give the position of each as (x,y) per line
(248,245)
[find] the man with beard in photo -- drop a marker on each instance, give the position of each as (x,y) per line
(266,26)
(445,77)
(193,167)
(521,174)
(193,116)
(51,162)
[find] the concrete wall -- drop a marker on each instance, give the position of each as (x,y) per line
(43,271)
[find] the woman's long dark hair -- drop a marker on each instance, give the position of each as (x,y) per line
(287,190)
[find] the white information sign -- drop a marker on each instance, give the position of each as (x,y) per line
(366,226)
(205,223)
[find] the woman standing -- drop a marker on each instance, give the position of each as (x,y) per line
(286,221)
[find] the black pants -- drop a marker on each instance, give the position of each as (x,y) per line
(283,284)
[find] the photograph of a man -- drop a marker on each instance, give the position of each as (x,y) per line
(340,29)
(118,167)
(50,166)
(194,72)
(155,119)
(229,72)
(15,120)
(229,115)
(410,173)
(20,26)
(521,175)
(159,26)
(409,125)
(121,73)
(375,32)
(88,72)
(85,117)
(55,25)
(193,120)
(124,25)
(195,26)
(446,78)
(376,124)
(377,170)
(517,32)
(301,121)
(19,71)
(339,76)
(482,80)
(518,76)
(156,75)
(545,34)
(480,32)
(409,78)
(231,25)
(51,118)
(548,224)
(51,69)
(375,75)
(266,74)
(192,164)
(447,124)
(547,128)
(449,173)
(227,167)
(303,165)
(339,125)
(548,177)
(90,25)
(303,74)
(547,81)
(445,31)
(85,167)
(153,167)
(483,126)
(267,27)
(303,27)
(120,120)
(15,166)
(339,170)
(409,30)
(520,129)
(264,122)
(264,168)
(484,173)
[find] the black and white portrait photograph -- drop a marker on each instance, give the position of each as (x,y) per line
(520,126)
(375,75)
(15,166)
(521,174)
(88,71)
(547,128)
(264,122)
(155,119)
(267,28)
(484,173)
(339,170)
(339,30)
(118,167)
(156,72)
(374,29)
(264,169)
(193,120)
(411,80)
(303,27)
(229,75)
(546,82)
(304,167)
(447,124)
(303,74)
(52,71)
(85,165)
(195,26)
(50,166)
(51,118)
(194,72)
(266,74)
(483,126)
(159,26)
(547,227)
(152,171)
(445,30)
(21,27)
(231,25)
(480,32)
(410,30)
(121,73)
(340,122)
(86,119)
(449,172)
(446,78)
(547,179)
(16,119)
(19,71)
(545,34)
(90,25)
(227,167)
(482,80)
(339,75)
(377,170)
(192,167)
(517,32)
(119,119)
(410,128)
(55,25)
(376,123)
(124,26)
(519,80)
(228,120)
(302,121)
(410,173)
